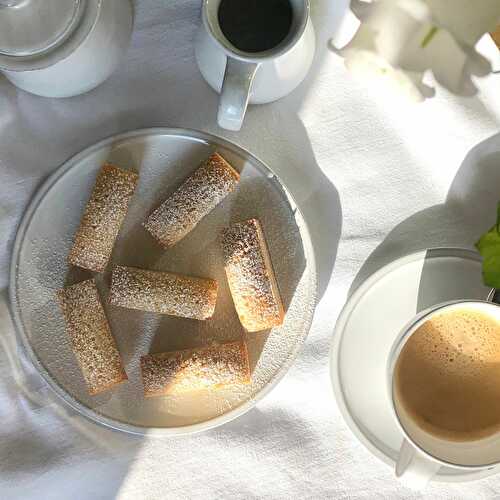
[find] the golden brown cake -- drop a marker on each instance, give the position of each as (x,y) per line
(93,344)
(163,292)
(496,36)
(196,197)
(102,218)
(177,372)
(251,278)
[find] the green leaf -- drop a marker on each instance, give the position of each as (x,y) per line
(489,248)
(491,271)
(489,243)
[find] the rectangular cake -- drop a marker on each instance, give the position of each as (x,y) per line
(178,372)
(163,292)
(103,216)
(251,277)
(93,344)
(194,199)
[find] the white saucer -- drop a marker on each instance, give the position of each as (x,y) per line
(367,327)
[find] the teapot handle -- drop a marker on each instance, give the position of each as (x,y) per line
(235,93)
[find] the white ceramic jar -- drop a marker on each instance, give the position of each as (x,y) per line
(62,48)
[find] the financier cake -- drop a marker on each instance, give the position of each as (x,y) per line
(177,372)
(200,193)
(163,292)
(103,217)
(93,344)
(251,277)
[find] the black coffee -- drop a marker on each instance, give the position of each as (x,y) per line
(255,25)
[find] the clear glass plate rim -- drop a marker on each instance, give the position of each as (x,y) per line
(14,306)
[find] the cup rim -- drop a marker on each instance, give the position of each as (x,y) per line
(254,57)
(398,345)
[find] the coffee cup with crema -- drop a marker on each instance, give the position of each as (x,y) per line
(444,380)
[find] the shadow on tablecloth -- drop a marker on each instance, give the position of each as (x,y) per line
(469,210)
(159,85)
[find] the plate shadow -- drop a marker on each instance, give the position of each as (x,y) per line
(469,210)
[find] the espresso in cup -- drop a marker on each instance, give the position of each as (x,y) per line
(447,376)
(255,25)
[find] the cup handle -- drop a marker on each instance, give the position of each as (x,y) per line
(494,296)
(414,468)
(235,93)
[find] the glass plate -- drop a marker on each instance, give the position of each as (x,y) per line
(163,158)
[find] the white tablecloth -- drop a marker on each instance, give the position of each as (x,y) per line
(375,178)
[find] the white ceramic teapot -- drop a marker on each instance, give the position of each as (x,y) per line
(242,77)
(61,48)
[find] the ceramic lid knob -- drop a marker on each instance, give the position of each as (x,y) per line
(30,27)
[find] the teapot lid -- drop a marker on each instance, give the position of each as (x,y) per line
(31,27)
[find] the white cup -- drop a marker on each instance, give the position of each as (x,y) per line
(422,454)
(256,77)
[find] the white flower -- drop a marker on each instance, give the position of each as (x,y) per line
(399,40)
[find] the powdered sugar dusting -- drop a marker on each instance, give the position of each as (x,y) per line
(91,338)
(195,369)
(199,194)
(163,292)
(250,275)
(102,218)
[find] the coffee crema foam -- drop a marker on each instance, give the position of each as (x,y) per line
(447,377)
